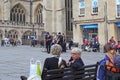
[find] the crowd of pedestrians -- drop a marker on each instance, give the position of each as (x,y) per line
(91,45)
(57,39)
(10,42)
(113,44)
(55,44)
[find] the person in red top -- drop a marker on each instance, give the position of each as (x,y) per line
(112,39)
(96,38)
(117,47)
(85,42)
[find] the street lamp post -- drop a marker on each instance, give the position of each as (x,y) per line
(31,15)
(5,33)
(105,16)
(31,23)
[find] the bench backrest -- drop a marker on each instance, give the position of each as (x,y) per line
(85,73)
(89,72)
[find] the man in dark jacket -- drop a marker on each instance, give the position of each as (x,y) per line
(75,61)
(48,40)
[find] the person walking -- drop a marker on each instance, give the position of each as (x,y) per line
(48,40)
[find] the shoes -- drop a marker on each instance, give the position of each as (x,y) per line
(48,52)
(23,77)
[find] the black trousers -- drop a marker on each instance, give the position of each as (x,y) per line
(48,46)
(23,78)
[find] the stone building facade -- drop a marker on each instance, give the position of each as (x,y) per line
(23,19)
(93,18)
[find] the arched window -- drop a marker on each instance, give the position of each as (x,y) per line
(39,15)
(17,14)
(13,34)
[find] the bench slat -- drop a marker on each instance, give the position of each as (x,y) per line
(84,73)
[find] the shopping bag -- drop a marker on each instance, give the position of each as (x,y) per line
(35,70)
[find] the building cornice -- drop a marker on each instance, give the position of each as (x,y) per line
(89,20)
(113,21)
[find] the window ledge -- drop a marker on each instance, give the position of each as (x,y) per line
(117,17)
(81,15)
(94,13)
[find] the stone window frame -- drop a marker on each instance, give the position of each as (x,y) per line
(81,10)
(94,10)
(117,10)
(39,15)
(13,34)
(17,14)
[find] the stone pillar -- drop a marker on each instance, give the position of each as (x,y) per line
(44,15)
(54,16)
(48,18)
(112,31)
(60,16)
(77,34)
(102,33)
(6,10)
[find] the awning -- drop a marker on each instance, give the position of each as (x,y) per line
(118,24)
(90,26)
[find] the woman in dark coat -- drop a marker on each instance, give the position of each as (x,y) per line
(54,62)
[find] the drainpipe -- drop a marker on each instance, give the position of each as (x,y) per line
(105,17)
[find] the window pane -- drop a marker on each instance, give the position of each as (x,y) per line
(95,10)
(118,10)
(82,11)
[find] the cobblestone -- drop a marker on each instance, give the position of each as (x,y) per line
(14,61)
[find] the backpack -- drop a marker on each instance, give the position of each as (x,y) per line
(101,69)
(117,60)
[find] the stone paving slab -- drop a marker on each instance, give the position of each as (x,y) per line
(14,61)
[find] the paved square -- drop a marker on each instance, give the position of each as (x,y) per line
(14,61)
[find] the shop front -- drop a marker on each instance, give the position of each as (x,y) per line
(90,31)
(118,28)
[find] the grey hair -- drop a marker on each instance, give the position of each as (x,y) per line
(79,51)
(56,49)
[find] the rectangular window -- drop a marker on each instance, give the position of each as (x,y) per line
(94,6)
(82,8)
(118,8)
